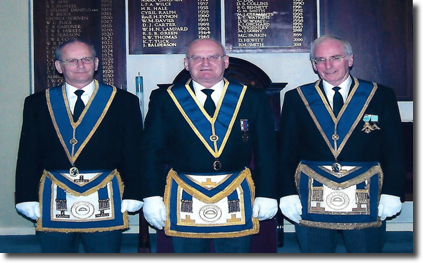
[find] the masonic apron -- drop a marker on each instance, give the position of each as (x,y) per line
(73,200)
(213,205)
(339,195)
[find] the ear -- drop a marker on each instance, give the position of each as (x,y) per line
(58,66)
(96,64)
(351,60)
(314,66)
(186,64)
(226,59)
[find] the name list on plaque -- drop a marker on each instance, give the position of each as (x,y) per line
(102,23)
(270,25)
(168,26)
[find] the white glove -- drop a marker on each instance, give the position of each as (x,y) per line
(155,211)
(389,205)
(131,205)
(29,209)
(291,207)
(265,208)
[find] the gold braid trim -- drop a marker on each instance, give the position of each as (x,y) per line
(210,200)
(341,226)
(91,190)
(333,185)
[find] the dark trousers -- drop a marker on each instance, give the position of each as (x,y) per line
(221,245)
(319,240)
(97,242)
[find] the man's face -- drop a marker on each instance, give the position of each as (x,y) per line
(81,74)
(333,71)
(205,70)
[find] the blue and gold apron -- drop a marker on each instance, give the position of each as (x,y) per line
(73,200)
(212,205)
(338,195)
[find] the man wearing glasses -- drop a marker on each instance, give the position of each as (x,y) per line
(197,149)
(341,155)
(77,172)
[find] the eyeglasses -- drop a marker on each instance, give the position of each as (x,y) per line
(210,58)
(74,61)
(333,59)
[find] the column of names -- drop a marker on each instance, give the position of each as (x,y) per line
(159,27)
(168,26)
(270,25)
(100,22)
(252,22)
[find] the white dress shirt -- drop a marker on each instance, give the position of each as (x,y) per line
(70,93)
(201,96)
(345,87)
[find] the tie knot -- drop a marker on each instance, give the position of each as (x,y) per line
(336,89)
(208,92)
(79,93)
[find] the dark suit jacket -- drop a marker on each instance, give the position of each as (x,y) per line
(169,140)
(115,145)
(300,140)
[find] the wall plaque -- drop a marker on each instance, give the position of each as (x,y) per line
(168,26)
(101,22)
(270,25)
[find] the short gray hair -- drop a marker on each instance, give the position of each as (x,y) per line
(346,44)
(58,52)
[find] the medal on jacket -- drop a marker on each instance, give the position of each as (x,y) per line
(244,128)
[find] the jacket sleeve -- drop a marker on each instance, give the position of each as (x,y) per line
(289,142)
(29,165)
(130,168)
(392,146)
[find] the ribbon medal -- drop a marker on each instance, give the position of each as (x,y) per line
(370,123)
(244,128)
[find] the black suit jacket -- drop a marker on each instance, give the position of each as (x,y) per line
(168,141)
(115,145)
(300,140)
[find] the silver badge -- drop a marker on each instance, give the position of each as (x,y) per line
(210,213)
(82,210)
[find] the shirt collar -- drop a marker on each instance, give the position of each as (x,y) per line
(345,87)
(89,89)
(218,89)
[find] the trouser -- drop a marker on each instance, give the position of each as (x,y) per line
(96,242)
(319,240)
(221,245)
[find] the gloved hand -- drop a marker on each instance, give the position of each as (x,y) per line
(264,208)
(131,205)
(155,211)
(29,209)
(291,207)
(389,205)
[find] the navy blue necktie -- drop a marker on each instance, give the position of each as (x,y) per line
(79,105)
(209,105)
(338,101)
